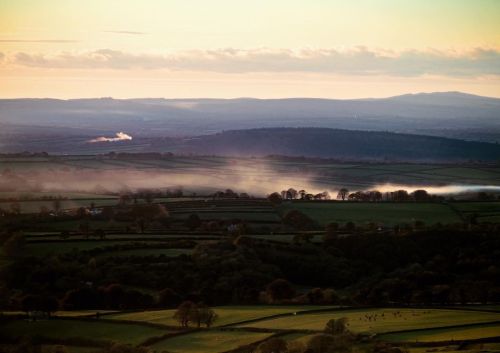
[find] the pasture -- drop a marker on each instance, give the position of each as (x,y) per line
(209,341)
(61,247)
(379,320)
(445,334)
(226,314)
(483,211)
(134,247)
(392,325)
(91,330)
(378,213)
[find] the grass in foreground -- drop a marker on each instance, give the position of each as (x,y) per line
(209,341)
(469,348)
(407,319)
(91,330)
(445,334)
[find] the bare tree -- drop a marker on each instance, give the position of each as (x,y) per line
(342,194)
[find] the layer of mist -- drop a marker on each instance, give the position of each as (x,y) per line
(258,180)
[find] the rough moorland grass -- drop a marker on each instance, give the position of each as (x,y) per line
(226,314)
(360,212)
(407,319)
(82,329)
(209,341)
(445,334)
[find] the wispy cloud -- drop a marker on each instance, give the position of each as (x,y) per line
(356,61)
(126,32)
(38,41)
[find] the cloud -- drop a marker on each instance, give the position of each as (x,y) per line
(356,61)
(38,41)
(126,32)
(120,136)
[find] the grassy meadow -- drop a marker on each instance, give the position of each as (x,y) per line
(226,314)
(95,331)
(386,320)
(209,341)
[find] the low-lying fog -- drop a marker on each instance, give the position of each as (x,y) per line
(256,180)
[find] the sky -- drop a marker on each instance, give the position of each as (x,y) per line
(241,48)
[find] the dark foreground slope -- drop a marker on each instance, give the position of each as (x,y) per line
(341,144)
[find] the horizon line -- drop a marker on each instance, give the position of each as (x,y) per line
(253,98)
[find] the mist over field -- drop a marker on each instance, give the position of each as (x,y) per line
(257,177)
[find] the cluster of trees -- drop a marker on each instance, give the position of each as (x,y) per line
(113,296)
(230,194)
(234,226)
(189,312)
(367,196)
(431,266)
(46,304)
(292,194)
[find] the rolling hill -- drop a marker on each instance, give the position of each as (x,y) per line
(445,114)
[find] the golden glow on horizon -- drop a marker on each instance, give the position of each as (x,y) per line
(46,28)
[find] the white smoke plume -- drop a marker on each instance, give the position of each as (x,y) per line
(120,136)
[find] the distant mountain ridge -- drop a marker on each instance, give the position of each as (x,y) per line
(446,114)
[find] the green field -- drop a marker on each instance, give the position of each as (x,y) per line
(226,314)
(484,211)
(422,325)
(147,252)
(55,225)
(209,342)
(408,319)
(469,348)
(361,212)
(36,206)
(48,348)
(90,330)
(45,248)
(445,334)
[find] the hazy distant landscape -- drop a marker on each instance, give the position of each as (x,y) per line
(396,129)
(447,114)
